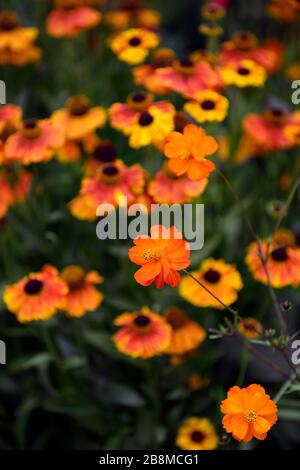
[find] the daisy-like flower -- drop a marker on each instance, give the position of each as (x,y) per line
(71,19)
(197,434)
(284,11)
(131,12)
(269,129)
(83,296)
(36,141)
(15,185)
(188,76)
(208,106)
(250,328)
(160,255)
(196,382)
(111,181)
(75,150)
(283,263)
(187,335)
(10,121)
(79,118)
(142,334)
(133,45)
(245,46)
(249,412)
(222,279)
(188,151)
(145,74)
(37,296)
(144,121)
(243,74)
(167,188)
(16,42)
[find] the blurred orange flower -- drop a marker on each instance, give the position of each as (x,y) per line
(197,434)
(221,278)
(79,118)
(143,334)
(283,263)
(160,255)
(186,334)
(133,45)
(37,296)
(36,141)
(250,328)
(249,412)
(188,151)
(145,74)
(69,22)
(82,296)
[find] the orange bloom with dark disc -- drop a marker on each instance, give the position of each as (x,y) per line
(37,296)
(83,296)
(79,118)
(145,74)
(167,188)
(283,263)
(14,187)
(70,20)
(221,278)
(269,130)
(160,255)
(186,334)
(188,77)
(188,151)
(36,141)
(132,13)
(133,45)
(142,334)
(245,46)
(249,413)
(250,328)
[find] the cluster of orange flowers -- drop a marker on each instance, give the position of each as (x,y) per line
(71,134)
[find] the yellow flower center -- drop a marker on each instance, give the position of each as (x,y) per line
(73,276)
(78,105)
(31,129)
(251,416)
(150,255)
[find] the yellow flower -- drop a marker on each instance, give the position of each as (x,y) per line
(208,105)
(197,434)
(243,74)
(132,46)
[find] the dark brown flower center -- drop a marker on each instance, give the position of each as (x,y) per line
(280,254)
(31,129)
(33,287)
(212,276)
(243,71)
(145,119)
(135,41)
(141,321)
(176,318)
(139,97)
(8,21)
(208,105)
(110,171)
(105,152)
(197,436)
(78,105)
(186,62)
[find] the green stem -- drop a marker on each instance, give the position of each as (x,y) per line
(283,389)
(243,367)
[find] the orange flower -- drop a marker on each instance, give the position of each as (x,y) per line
(133,46)
(14,187)
(145,74)
(160,255)
(69,22)
(7,198)
(82,297)
(187,152)
(37,296)
(79,118)
(9,114)
(197,434)
(166,188)
(220,278)
(283,263)
(104,152)
(188,77)
(143,334)
(111,181)
(186,334)
(244,45)
(17,43)
(250,328)
(130,12)
(269,130)
(36,141)
(243,74)
(284,11)
(249,412)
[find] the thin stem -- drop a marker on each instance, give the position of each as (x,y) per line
(243,367)
(234,312)
(283,389)
(287,204)
(260,251)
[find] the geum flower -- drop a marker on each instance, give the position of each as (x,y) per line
(188,151)
(249,412)
(160,255)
